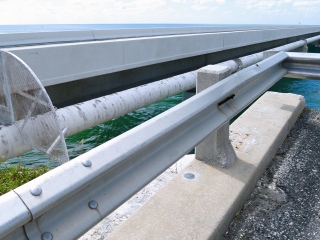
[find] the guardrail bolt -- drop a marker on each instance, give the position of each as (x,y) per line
(46,236)
(93,204)
(87,163)
(36,190)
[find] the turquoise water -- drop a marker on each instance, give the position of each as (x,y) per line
(95,136)
(310,89)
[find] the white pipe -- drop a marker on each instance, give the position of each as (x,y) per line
(246,61)
(94,112)
(313,39)
(91,113)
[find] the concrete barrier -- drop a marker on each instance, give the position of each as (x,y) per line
(32,38)
(61,63)
(200,202)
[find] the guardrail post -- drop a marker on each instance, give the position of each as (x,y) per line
(216,148)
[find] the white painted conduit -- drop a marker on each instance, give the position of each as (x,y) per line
(94,112)
(249,60)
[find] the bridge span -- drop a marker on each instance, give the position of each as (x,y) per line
(80,65)
(94,184)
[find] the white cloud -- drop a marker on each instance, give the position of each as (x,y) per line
(259,5)
(78,11)
(306,8)
(206,5)
(179,1)
(309,3)
(159,11)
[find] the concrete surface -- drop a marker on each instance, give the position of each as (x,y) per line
(32,38)
(201,201)
(215,148)
(285,203)
(110,223)
(60,63)
(84,65)
(74,72)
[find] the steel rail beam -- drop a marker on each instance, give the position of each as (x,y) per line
(94,184)
(303,65)
(84,115)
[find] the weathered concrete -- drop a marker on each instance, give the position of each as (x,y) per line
(216,148)
(32,38)
(285,203)
(200,202)
(55,64)
(79,71)
(121,214)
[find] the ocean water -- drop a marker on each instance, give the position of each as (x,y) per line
(95,136)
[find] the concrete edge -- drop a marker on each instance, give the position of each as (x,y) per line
(203,202)
(25,38)
(89,58)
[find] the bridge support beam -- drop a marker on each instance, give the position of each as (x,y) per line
(216,148)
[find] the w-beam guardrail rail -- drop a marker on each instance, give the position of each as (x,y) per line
(94,184)
(82,116)
(97,182)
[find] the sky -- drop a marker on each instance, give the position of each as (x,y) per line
(160,11)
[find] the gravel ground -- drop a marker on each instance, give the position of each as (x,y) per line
(285,203)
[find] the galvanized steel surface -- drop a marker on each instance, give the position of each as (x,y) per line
(303,65)
(116,164)
(125,164)
(91,113)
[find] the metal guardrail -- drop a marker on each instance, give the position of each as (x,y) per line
(302,65)
(94,112)
(97,182)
